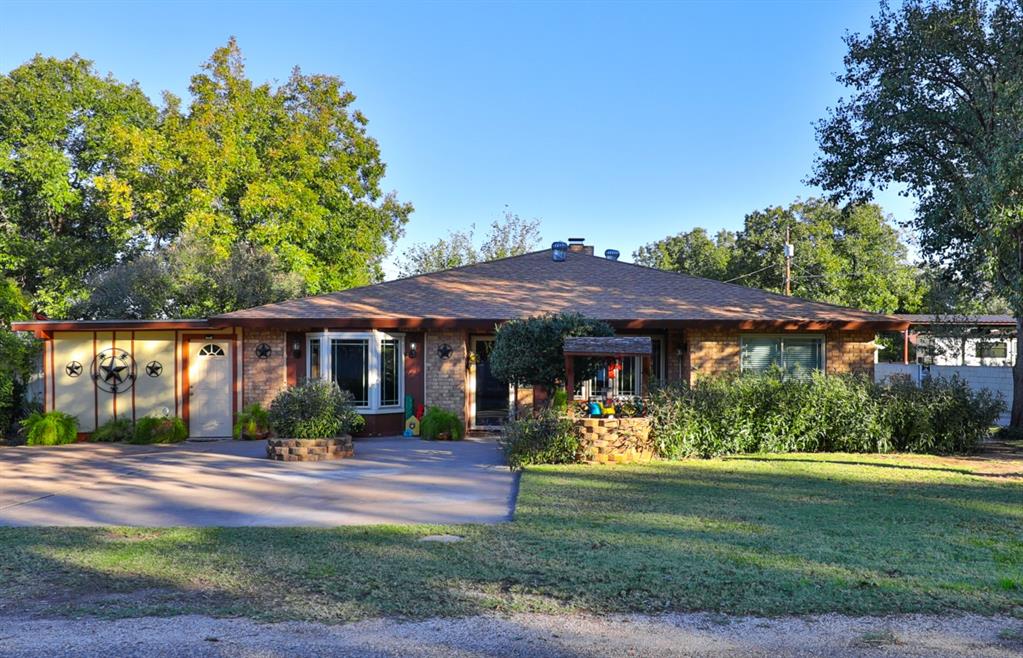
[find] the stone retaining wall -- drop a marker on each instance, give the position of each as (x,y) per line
(615,440)
(309,450)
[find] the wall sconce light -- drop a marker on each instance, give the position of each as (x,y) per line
(296,348)
(444,351)
(413,350)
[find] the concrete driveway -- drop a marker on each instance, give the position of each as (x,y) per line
(231,483)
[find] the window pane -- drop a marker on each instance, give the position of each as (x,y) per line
(992,350)
(350,368)
(389,371)
(627,377)
(314,358)
(802,356)
(760,354)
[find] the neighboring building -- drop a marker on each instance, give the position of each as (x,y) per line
(428,337)
(977,340)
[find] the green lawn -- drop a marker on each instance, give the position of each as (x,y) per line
(774,535)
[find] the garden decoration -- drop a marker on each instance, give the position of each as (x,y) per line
(113,370)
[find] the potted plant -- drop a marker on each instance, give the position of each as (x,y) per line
(253,423)
(312,421)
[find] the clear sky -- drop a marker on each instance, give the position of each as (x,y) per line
(618,122)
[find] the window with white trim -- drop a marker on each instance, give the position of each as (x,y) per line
(367,364)
(628,381)
(795,356)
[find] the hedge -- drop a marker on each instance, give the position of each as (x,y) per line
(833,413)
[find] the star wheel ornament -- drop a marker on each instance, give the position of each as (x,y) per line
(154,368)
(113,370)
(74,369)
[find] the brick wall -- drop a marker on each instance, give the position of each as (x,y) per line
(717,352)
(712,352)
(850,352)
(445,379)
(263,378)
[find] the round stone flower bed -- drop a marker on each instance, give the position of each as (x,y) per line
(309,450)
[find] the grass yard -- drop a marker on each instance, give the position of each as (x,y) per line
(763,535)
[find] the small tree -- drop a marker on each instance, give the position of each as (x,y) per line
(530,352)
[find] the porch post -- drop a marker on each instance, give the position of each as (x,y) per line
(569,377)
(905,347)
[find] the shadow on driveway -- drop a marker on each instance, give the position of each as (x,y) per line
(231,483)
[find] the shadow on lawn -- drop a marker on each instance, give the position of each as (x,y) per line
(903,466)
(593,539)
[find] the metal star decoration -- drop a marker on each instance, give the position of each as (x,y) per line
(73,369)
(263,351)
(154,368)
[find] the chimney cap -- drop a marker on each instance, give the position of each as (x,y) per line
(579,240)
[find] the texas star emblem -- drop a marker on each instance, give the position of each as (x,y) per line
(113,370)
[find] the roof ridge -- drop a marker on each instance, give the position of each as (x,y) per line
(737,285)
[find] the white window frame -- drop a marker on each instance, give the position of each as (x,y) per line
(375,340)
(817,336)
(641,385)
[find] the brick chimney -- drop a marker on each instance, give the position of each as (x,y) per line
(577,246)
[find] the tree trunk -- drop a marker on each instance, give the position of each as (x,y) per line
(1016,419)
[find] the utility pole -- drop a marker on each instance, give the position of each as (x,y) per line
(790,251)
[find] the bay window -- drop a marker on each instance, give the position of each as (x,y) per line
(368,365)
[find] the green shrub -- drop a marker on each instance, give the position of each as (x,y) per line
(545,438)
(120,429)
(314,409)
(50,429)
(253,423)
(941,416)
(766,413)
(1009,434)
(160,429)
(438,423)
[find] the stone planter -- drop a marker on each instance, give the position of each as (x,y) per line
(615,440)
(309,450)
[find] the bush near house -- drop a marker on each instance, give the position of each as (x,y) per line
(120,429)
(253,423)
(50,429)
(545,438)
(438,423)
(159,429)
(766,413)
(314,409)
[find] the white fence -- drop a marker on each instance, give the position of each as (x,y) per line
(997,379)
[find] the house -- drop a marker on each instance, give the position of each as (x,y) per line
(428,337)
(975,340)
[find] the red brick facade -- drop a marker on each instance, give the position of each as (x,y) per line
(262,379)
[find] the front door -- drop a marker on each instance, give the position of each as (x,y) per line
(490,399)
(210,386)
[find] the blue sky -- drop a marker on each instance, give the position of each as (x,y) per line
(621,123)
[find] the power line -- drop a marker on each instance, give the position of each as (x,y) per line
(742,276)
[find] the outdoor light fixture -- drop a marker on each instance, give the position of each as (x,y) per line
(412,351)
(296,348)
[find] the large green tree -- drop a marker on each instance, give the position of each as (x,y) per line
(936,106)
(692,252)
(290,169)
(510,235)
(69,139)
(851,256)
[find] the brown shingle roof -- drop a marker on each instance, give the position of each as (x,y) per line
(609,345)
(533,283)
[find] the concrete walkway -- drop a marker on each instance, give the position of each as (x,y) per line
(231,483)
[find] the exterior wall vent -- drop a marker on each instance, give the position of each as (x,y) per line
(611,254)
(558,251)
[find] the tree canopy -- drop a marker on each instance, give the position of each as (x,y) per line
(851,256)
(508,236)
(936,106)
(94,177)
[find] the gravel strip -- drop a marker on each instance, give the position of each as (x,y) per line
(521,635)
